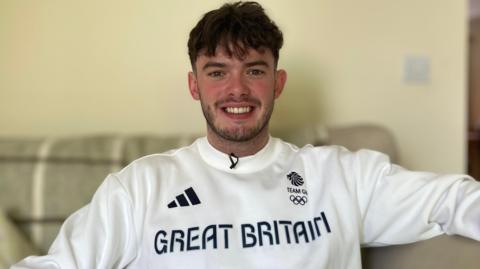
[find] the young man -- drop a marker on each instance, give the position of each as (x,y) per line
(242,199)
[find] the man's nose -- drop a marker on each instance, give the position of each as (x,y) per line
(239,85)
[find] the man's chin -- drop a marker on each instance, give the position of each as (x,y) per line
(238,134)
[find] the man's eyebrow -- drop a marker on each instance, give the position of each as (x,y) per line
(213,64)
(222,65)
(259,62)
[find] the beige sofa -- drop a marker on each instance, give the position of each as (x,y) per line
(42,181)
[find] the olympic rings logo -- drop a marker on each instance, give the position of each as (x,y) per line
(298,199)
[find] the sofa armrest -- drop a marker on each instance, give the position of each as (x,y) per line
(442,252)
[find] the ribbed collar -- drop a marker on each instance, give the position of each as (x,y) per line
(247,164)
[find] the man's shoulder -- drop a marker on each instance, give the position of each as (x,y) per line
(309,148)
(165,158)
(331,151)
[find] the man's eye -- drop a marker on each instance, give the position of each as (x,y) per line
(255,72)
(216,74)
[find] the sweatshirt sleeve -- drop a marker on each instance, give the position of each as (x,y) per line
(100,235)
(400,206)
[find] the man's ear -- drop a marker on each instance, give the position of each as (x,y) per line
(280,80)
(193,86)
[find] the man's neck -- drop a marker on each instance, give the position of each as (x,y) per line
(239,149)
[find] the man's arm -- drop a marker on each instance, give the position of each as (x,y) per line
(400,206)
(100,235)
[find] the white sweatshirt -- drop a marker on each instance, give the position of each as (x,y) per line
(283,207)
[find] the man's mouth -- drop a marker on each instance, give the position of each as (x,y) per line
(238,110)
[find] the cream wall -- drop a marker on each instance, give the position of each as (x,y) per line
(80,67)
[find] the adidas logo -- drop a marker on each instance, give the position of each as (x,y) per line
(182,200)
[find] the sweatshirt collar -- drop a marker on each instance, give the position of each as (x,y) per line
(247,164)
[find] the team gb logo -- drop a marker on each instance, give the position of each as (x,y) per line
(295,179)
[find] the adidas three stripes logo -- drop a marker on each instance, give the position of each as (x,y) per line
(183,201)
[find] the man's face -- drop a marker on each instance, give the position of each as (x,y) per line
(237,95)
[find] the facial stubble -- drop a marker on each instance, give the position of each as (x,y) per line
(239,133)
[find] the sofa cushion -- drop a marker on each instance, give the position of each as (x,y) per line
(13,244)
(43,181)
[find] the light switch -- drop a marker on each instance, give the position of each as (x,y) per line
(416,69)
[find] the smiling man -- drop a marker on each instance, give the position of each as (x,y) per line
(237,95)
(239,198)
(235,75)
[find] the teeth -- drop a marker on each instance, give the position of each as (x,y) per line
(238,110)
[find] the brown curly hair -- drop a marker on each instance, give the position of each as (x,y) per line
(236,27)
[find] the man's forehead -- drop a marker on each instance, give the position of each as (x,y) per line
(249,53)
